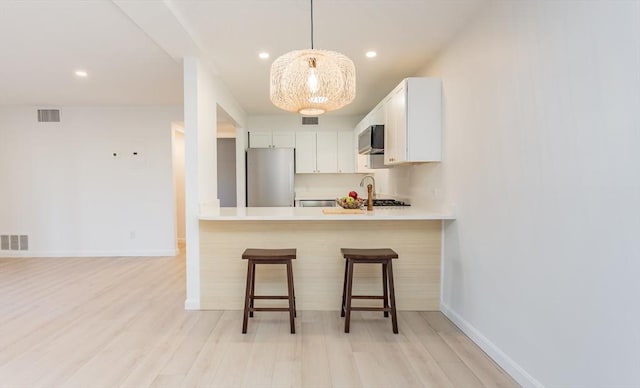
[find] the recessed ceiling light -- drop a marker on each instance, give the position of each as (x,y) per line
(263,55)
(371,54)
(81,73)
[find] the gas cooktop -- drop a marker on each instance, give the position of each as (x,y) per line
(389,202)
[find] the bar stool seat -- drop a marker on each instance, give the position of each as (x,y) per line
(268,256)
(382,256)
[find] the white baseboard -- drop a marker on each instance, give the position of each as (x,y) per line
(132,253)
(192,304)
(510,366)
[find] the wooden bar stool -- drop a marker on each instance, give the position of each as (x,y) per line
(268,256)
(382,256)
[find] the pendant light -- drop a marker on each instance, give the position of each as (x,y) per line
(312,82)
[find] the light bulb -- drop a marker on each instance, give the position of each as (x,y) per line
(312,81)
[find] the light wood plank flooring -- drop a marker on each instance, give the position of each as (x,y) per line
(120,322)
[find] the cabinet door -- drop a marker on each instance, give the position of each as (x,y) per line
(389,131)
(327,152)
(400,146)
(305,152)
(424,120)
(259,139)
(284,139)
(346,152)
(395,136)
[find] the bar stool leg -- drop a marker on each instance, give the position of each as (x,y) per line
(385,290)
(293,292)
(253,288)
(392,295)
(291,297)
(248,296)
(344,287)
(348,296)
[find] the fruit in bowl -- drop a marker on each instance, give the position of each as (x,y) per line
(350,202)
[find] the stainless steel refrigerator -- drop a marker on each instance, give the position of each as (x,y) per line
(270,173)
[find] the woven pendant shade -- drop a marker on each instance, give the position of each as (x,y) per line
(311,82)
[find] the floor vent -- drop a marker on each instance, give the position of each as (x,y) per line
(48,115)
(14,242)
(309,120)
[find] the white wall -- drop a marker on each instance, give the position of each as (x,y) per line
(542,111)
(62,186)
(328,186)
(419,184)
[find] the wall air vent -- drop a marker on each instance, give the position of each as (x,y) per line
(24,242)
(308,120)
(48,115)
(14,242)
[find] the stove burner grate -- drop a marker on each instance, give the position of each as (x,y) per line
(388,202)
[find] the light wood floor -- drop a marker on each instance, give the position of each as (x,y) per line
(120,322)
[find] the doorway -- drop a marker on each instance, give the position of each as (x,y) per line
(178,152)
(227,167)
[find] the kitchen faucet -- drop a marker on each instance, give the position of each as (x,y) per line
(373,182)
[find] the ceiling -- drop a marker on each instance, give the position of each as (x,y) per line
(132,50)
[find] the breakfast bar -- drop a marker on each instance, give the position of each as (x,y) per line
(415,234)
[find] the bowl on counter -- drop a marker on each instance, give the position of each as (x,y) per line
(357,203)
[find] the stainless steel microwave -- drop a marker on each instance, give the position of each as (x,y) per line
(371,140)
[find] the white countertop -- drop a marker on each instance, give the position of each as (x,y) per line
(316,214)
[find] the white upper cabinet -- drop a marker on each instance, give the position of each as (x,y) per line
(324,152)
(413,122)
(264,139)
(260,140)
(327,152)
(284,140)
(305,152)
(346,152)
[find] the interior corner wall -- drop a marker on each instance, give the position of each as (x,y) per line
(203,93)
(207,127)
(541,159)
(62,185)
